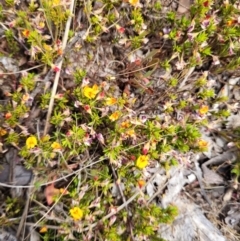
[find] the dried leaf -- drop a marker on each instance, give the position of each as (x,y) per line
(51,192)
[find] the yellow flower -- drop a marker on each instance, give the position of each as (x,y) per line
(90,92)
(125,124)
(203,144)
(203,110)
(43,229)
(111,101)
(134,2)
(31,142)
(141,183)
(47,47)
(56,145)
(114,116)
(45,138)
(41,25)
(52,155)
(26,33)
(3,132)
(142,161)
(63,191)
(131,133)
(25,98)
(231,22)
(56,2)
(76,213)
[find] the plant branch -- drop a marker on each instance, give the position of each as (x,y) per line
(56,80)
(139,191)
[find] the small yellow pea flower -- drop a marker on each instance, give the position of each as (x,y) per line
(203,110)
(231,22)
(3,132)
(76,213)
(90,92)
(131,133)
(55,145)
(111,101)
(141,183)
(114,116)
(43,229)
(134,2)
(26,33)
(52,155)
(203,144)
(142,161)
(41,25)
(31,142)
(45,138)
(125,124)
(55,2)
(25,98)
(47,47)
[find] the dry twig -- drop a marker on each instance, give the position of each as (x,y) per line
(56,80)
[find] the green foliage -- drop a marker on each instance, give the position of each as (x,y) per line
(22,19)
(55,14)
(97,135)
(9,3)
(57,118)
(157,5)
(14,206)
(137,19)
(12,44)
(136,42)
(182,104)
(28,82)
(79,75)
(45,98)
(236,169)
(222,113)
(1,13)
(173,82)
(171,16)
(207,93)
(12,138)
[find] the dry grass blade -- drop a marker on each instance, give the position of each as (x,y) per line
(56,80)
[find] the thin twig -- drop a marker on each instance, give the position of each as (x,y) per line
(51,182)
(24,70)
(117,182)
(190,71)
(57,76)
(137,70)
(47,226)
(47,21)
(182,5)
(25,211)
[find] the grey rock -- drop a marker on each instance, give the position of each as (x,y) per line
(22,175)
